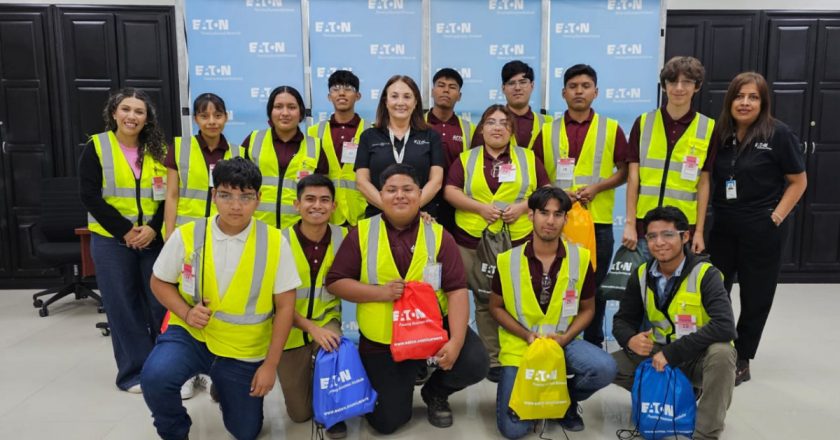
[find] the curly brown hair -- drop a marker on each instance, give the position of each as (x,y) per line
(691,67)
(151,137)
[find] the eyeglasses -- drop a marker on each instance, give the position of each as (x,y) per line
(226,197)
(686,83)
(342,88)
(666,235)
(495,122)
(518,82)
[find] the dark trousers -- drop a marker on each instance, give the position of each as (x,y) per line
(749,248)
(394,381)
(604,242)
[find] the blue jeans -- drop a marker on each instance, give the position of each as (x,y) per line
(177,357)
(604,242)
(134,314)
(593,369)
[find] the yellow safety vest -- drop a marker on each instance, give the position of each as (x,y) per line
(476,188)
(313,302)
(350,203)
(687,301)
(521,301)
(595,163)
(378,268)
(653,152)
(240,326)
(194,192)
(131,197)
(466,135)
(261,151)
(539,121)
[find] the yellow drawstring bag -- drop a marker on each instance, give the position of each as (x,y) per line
(580,229)
(540,390)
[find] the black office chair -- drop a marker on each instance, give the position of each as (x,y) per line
(56,242)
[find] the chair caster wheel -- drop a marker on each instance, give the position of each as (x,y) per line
(100,309)
(43,312)
(37,303)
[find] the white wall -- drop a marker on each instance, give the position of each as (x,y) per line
(820,5)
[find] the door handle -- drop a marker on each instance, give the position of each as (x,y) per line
(813,147)
(2,137)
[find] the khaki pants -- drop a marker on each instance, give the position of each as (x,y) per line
(295,374)
(712,371)
(488,328)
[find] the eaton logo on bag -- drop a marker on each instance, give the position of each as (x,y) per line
(343,376)
(540,375)
(267,47)
(657,408)
(621,267)
(408,315)
(333,27)
(505,50)
(572,28)
(387,49)
(625,5)
(386,5)
(488,269)
(506,5)
(464,27)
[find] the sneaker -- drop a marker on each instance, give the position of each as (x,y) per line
(572,421)
(742,371)
(134,389)
(440,414)
(339,430)
(188,389)
(494,374)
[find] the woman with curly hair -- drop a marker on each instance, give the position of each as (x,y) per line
(122,185)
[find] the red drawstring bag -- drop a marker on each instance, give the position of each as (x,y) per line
(418,331)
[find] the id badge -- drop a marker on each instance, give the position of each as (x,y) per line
(348,152)
(686,325)
(432,275)
(570,304)
(210,175)
(158,189)
(188,279)
(689,168)
(507,173)
(565,168)
(731,189)
(301,174)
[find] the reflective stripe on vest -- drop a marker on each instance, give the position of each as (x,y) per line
(539,120)
(662,327)
(470,171)
(336,238)
(250,317)
(558,127)
(194,183)
(373,246)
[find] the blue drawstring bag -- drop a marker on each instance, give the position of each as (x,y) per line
(663,403)
(340,386)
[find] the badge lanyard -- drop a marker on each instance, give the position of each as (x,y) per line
(738,151)
(398,156)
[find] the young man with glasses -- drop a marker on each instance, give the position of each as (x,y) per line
(518,85)
(226,283)
(339,137)
(679,302)
(668,156)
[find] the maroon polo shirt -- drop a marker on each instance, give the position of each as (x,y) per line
(285,151)
(535,266)
(576,132)
(315,251)
(522,126)
(210,157)
(455,177)
(451,137)
(343,132)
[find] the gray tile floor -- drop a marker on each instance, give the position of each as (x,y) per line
(56,381)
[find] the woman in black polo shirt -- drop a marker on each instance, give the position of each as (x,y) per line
(400,135)
(759,176)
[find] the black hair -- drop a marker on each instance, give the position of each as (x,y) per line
(150,140)
(669,214)
(285,89)
(540,198)
(515,67)
(398,169)
(238,173)
(448,73)
(315,180)
(580,69)
(203,100)
(343,78)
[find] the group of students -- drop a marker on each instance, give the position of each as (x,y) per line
(359,211)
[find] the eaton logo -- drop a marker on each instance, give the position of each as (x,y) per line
(507,49)
(212,25)
(333,27)
(540,375)
(657,408)
(374,94)
(386,5)
(408,315)
(325,72)
(506,5)
(387,49)
(453,28)
(267,47)
(264,3)
(466,72)
(261,93)
(621,267)
(622,93)
(230,115)
(213,70)
(624,5)
(572,28)
(493,95)
(621,50)
(343,376)
(559,71)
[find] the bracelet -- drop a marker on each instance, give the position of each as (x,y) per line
(777,219)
